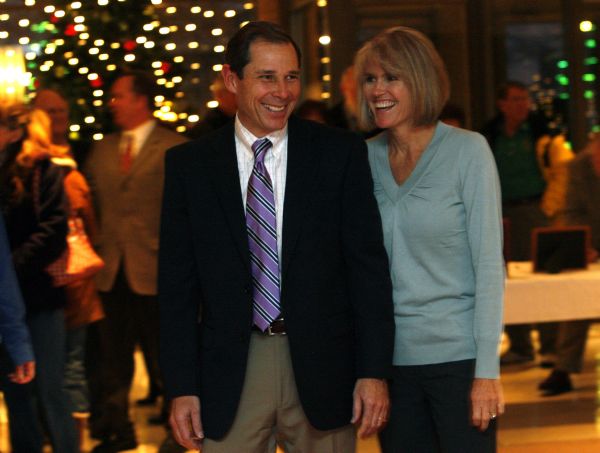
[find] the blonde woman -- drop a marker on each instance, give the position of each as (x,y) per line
(35,210)
(439,198)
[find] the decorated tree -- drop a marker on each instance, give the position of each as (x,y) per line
(80,47)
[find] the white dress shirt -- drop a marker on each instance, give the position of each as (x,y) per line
(275,162)
(139,136)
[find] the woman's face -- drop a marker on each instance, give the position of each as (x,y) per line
(387,97)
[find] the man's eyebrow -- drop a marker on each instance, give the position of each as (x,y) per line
(271,71)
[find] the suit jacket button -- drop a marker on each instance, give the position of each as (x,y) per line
(247,289)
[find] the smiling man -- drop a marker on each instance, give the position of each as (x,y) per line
(276,311)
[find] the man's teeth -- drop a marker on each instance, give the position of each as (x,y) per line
(274,108)
(384,104)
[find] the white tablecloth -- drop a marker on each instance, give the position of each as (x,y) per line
(536,297)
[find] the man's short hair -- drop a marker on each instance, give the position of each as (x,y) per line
(237,55)
(409,55)
(142,84)
(502,90)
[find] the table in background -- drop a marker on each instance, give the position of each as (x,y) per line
(538,297)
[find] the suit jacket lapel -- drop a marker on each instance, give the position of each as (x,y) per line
(226,180)
(302,165)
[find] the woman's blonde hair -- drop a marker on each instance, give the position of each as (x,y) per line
(36,145)
(409,55)
(38,141)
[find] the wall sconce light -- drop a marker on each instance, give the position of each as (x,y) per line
(13,77)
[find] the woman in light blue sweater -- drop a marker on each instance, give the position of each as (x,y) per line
(439,199)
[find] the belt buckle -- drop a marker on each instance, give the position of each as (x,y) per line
(270,332)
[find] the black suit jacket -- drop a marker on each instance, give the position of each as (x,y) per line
(336,290)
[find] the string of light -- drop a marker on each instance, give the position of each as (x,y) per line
(71,41)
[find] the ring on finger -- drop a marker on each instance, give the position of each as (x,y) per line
(493,416)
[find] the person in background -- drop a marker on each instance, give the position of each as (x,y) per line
(344,113)
(218,116)
(57,107)
(83,303)
(126,176)
(512,136)
(35,210)
(439,197)
(581,208)
(255,352)
(16,354)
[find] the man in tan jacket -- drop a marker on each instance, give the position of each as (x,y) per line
(126,172)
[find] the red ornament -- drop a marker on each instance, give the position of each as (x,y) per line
(166,67)
(70,30)
(129,45)
(97,83)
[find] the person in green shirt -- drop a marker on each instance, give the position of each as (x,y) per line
(512,136)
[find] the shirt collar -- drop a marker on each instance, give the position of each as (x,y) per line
(247,138)
(141,132)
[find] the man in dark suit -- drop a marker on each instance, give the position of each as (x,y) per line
(290,220)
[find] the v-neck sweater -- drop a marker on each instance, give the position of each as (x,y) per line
(443,234)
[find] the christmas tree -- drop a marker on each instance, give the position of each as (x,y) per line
(80,47)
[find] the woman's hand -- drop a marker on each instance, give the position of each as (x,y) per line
(487,402)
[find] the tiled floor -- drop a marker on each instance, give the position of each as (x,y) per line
(532,424)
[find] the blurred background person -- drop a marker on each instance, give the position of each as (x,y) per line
(582,207)
(56,106)
(126,175)
(16,353)
(344,114)
(35,210)
(218,116)
(512,136)
(83,305)
(439,197)
(554,155)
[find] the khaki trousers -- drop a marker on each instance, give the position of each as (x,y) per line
(270,412)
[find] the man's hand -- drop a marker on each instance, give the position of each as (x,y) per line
(185,421)
(371,405)
(487,402)
(23,373)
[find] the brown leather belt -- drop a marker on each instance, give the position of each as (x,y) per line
(277,327)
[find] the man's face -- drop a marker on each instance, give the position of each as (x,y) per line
(128,108)
(516,106)
(268,92)
(56,108)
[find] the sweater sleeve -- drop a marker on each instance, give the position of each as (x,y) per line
(481,197)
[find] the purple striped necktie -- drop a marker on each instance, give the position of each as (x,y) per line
(261,224)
